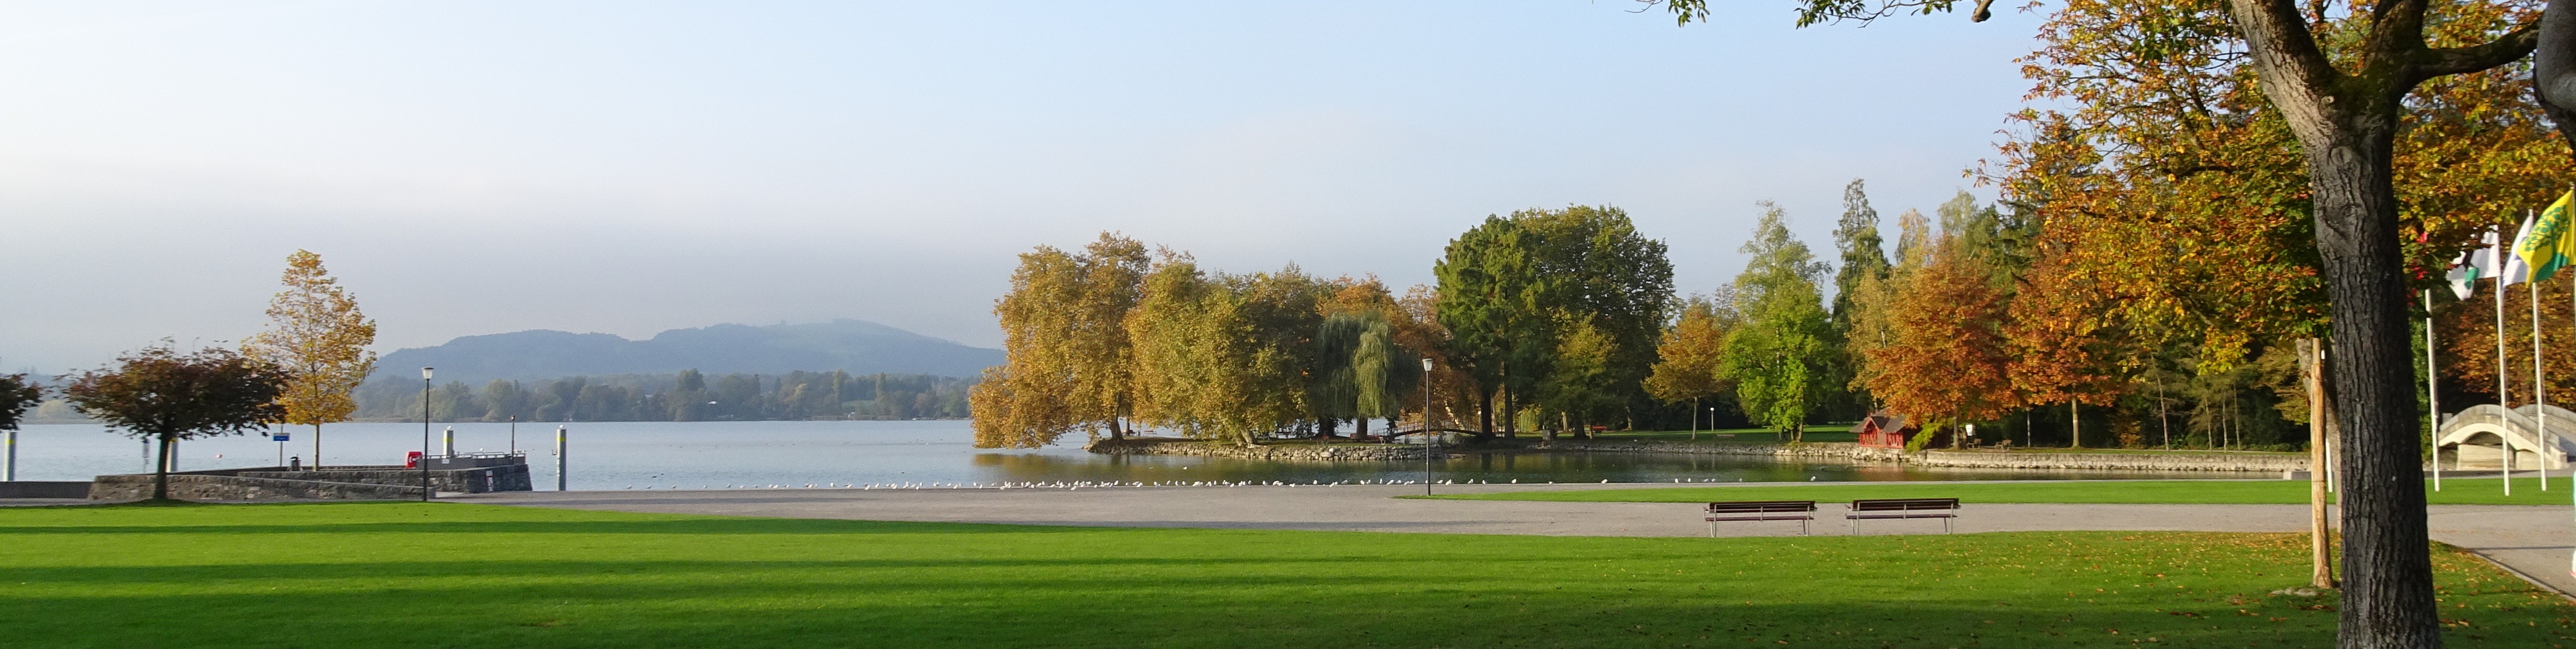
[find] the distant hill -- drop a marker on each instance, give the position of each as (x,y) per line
(857,346)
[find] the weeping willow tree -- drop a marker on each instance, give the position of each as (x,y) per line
(1359,371)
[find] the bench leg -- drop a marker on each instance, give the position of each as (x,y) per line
(1712,529)
(1945,526)
(1802,526)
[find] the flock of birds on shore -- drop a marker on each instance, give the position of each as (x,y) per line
(1085,484)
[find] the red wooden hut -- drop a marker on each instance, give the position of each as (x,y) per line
(1883,429)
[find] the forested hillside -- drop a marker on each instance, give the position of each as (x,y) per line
(854,346)
(687,395)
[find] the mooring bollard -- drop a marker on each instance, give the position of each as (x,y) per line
(559,460)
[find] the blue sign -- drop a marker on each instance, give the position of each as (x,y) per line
(277,438)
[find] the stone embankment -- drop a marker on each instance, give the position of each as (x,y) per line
(1967,459)
(227,487)
(1291,452)
(337,483)
(2273,463)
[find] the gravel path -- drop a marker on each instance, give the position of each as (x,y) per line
(2537,541)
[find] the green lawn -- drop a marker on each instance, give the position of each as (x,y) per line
(454,575)
(2478,491)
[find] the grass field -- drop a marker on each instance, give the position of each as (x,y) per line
(454,575)
(2479,491)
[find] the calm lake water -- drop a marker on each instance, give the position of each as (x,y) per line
(719,455)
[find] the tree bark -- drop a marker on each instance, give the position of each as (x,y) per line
(1484,412)
(2346,123)
(2553,66)
(161,471)
(2074,424)
(2388,572)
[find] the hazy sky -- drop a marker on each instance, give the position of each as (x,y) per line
(628,167)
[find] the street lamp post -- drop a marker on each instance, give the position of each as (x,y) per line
(1426,427)
(424,433)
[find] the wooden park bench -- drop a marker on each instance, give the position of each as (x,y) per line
(1761,510)
(1941,508)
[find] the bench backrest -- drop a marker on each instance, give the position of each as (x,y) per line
(1761,506)
(1903,504)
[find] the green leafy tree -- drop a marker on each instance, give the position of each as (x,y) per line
(1779,359)
(1583,381)
(1359,372)
(1602,280)
(1511,286)
(166,396)
(1488,304)
(1864,259)
(17,395)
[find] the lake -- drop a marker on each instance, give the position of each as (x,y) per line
(719,455)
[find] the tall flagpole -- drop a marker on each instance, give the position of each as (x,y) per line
(2539,392)
(2432,392)
(2495,257)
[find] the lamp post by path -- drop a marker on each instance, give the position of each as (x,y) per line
(424,433)
(1426,427)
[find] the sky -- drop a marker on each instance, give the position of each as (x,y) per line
(630,167)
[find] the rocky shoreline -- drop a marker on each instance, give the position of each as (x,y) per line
(2272,463)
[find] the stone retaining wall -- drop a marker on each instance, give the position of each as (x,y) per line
(1831,451)
(1296,452)
(507,477)
(2073,460)
(226,487)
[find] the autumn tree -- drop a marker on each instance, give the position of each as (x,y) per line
(1415,322)
(1779,358)
(1873,325)
(1222,356)
(166,396)
(2340,77)
(1689,355)
(1065,346)
(317,334)
(1947,363)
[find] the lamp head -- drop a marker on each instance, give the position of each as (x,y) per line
(1426,365)
(424,373)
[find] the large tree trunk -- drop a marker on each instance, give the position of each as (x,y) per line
(2346,121)
(2388,571)
(161,471)
(2553,66)
(1484,412)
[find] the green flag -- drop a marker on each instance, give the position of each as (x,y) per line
(2549,242)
